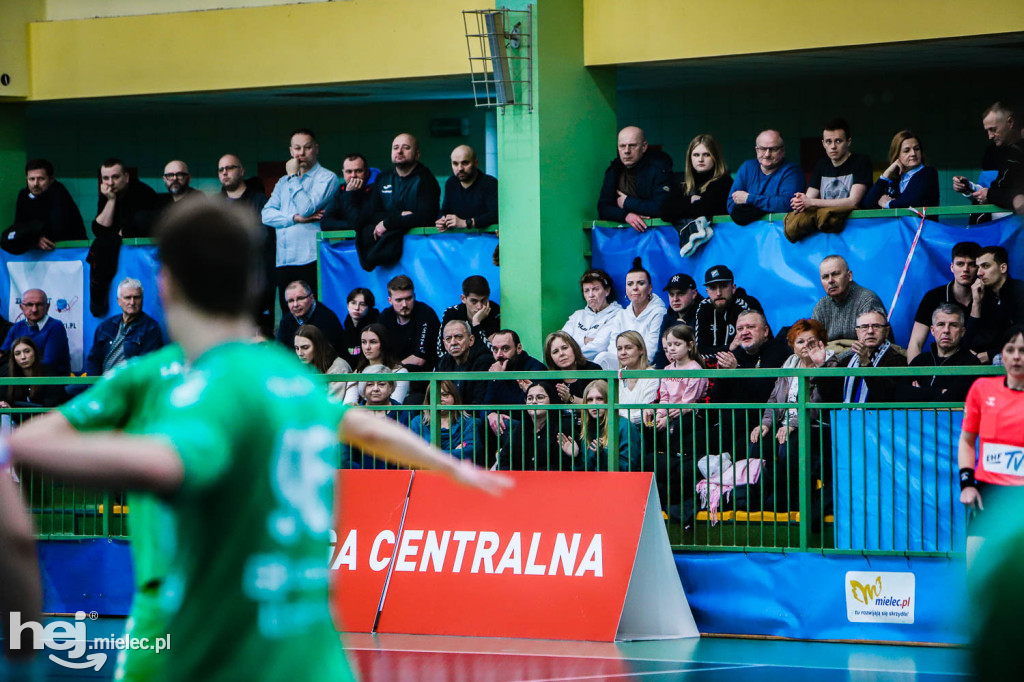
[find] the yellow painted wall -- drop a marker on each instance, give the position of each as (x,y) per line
(316,43)
(618,32)
(62,10)
(15,16)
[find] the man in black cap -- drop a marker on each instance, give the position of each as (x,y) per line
(716,315)
(683,300)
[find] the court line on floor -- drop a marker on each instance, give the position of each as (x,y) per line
(638,674)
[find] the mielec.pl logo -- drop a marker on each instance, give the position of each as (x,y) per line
(60,636)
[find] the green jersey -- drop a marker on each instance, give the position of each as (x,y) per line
(258,441)
(124,400)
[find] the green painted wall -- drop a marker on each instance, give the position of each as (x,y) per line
(12,159)
(552,160)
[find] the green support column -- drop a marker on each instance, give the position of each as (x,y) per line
(12,157)
(551,162)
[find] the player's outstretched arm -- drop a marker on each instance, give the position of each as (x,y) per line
(103,460)
(388,440)
(20,590)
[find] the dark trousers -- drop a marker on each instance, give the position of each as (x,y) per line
(286,274)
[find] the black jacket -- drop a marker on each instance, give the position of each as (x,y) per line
(134,212)
(670,320)
(680,206)
(930,389)
(53,214)
(507,391)
(479,360)
(351,336)
(1010,180)
(418,337)
(479,201)
(653,184)
(323,318)
(490,325)
(716,328)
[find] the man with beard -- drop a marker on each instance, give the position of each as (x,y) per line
(683,301)
(463,353)
(470,197)
(235,188)
(509,356)
(44,212)
(998,301)
(404,197)
(844,300)
(948,328)
(717,314)
(177,179)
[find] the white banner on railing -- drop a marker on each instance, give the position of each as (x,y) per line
(63,283)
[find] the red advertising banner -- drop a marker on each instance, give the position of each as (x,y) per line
(564,555)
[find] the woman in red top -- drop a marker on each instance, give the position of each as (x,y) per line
(994,411)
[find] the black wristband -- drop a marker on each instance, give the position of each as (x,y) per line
(967,479)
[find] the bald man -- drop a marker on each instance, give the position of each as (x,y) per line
(636,183)
(177,179)
(402,198)
(470,197)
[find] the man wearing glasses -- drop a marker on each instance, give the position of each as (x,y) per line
(177,180)
(47,333)
(873,349)
(303,308)
(767,184)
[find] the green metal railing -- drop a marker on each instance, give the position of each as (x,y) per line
(790,514)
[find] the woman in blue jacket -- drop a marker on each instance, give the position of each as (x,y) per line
(907,181)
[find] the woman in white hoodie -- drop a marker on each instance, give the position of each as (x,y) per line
(584,325)
(643,315)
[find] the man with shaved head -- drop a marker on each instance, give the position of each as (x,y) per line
(470,197)
(844,299)
(765,184)
(177,180)
(47,333)
(636,183)
(404,197)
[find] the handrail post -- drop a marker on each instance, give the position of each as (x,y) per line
(613,425)
(804,436)
(435,428)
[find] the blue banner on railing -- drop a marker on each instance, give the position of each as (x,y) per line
(64,275)
(896,480)
(784,276)
(437,264)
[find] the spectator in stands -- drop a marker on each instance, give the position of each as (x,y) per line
(458,429)
(702,192)
(843,301)
(313,349)
(683,301)
(562,353)
(357,179)
(376,393)
(593,440)
(476,307)
(235,189)
(807,339)
(534,444)
(754,349)
(470,197)
(46,332)
(177,180)
(766,184)
(998,301)
(643,314)
(303,308)
(509,356)
(465,353)
(125,336)
(413,326)
(585,324)
(872,349)
(948,327)
(377,350)
(716,316)
(636,183)
(44,212)
(402,198)
(26,362)
(907,181)
(841,180)
(964,267)
(631,352)
(126,209)
(361,312)
(295,208)
(704,188)
(1001,160)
